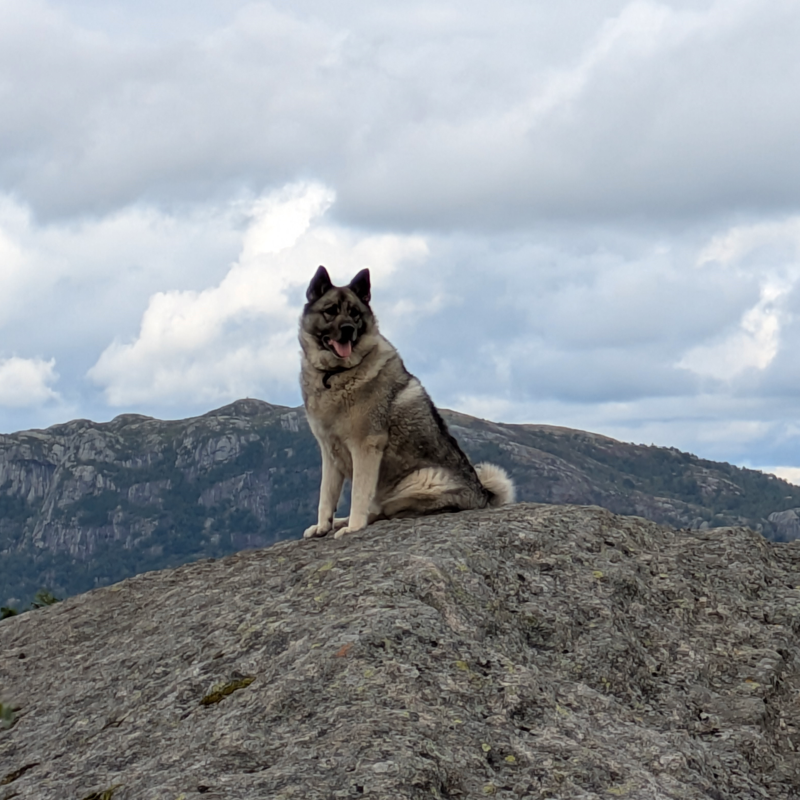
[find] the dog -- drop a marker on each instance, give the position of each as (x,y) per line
(374,422)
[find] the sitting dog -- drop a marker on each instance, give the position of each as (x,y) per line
(374,422)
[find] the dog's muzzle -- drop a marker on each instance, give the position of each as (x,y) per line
(347,337)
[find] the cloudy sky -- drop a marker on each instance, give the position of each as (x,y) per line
(583,213)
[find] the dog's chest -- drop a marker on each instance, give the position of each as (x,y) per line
(328,404)
(337,435)
(333,414)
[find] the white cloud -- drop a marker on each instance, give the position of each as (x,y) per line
(770,251)
(791,474)
(753,345)
(27,382)
(14,261)
(239,337)
(69,288)
(639,31)
(442,117)
(770,241)
(656,115)
(607,191)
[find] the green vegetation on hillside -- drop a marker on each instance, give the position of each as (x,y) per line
(719,487)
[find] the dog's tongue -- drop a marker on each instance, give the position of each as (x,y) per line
(343,349)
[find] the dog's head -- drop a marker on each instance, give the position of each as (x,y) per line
(337,318)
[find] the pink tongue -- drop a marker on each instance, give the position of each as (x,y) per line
(343,349)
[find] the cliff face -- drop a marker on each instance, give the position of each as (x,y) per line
(85,504)
(78,480)
(533,651)
(95,502)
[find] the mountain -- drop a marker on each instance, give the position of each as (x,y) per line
(559,465)
(526,652)
(86,504)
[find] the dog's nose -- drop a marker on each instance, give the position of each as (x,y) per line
(347,332)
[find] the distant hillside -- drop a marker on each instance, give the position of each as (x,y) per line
(560,465)
(86,504)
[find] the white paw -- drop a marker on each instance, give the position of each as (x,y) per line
(315,531)
(343,531)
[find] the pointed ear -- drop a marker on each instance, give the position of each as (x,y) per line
(360,286)
(320,284)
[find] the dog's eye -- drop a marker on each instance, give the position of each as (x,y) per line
(355,315)
(329,312)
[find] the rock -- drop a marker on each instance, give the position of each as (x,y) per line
(786,524)
(528,652)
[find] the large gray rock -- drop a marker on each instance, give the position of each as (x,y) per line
(786,524)
(529,652)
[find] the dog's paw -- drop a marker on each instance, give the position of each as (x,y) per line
(316,531)
(344,531)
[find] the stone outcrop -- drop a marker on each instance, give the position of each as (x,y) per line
(786,524)
(528,652)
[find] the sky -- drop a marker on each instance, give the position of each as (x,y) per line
(583,213)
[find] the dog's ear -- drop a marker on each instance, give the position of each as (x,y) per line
(360,286)
(320,284)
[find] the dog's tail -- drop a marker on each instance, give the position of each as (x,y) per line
(496,481)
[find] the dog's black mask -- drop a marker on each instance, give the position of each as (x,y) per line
(341,312)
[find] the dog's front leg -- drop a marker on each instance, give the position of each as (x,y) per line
(366,469)
(329,491)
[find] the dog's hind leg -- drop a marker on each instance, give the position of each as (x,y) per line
(427,491)
(329,491)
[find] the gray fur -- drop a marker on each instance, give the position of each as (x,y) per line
(375,423)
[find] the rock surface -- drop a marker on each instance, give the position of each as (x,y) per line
(529,652)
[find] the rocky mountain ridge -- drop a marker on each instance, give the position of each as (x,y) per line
(561,465)
(84,504)
(101,501)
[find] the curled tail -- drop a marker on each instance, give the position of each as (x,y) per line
(496,481)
